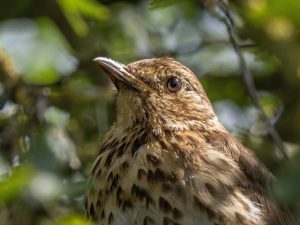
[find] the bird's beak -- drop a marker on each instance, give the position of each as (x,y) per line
(118,74)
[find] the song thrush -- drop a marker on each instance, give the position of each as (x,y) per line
(167,160)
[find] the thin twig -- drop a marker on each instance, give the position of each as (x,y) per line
(247,75)
(187,50)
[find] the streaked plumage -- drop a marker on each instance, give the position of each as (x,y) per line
(167,160)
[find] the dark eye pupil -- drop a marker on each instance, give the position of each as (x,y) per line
(174,84)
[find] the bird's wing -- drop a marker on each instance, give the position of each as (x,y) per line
(232,183)
(259,181)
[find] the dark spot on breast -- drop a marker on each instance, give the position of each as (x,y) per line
(94,169)
(114,182)
(168,134)
(166,187)
(96,166)
(98,204)
(148,221)
(113,144)
(124,166)
(164,205)
(240,218)
(100,193)
(153,160)
(210,189)
(138,142)
(92,211)
(192,140)
(119,202)
(141,174)
(162,144)
(110,218)
(198,204)
(194,118)
(178,138)
(104,147)
(177,214)
(175,146)
(121,149)
(85,203)
(102,214)
(150,176)
(98,174)
(160,174)
(110,176)
(156,176)
(138,191)
(221,217)
(149,201)
(168,221)
(180,191)
(127,204)
(141,194)
(109,158)
(119,193)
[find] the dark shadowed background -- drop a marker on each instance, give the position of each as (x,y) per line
(55,104)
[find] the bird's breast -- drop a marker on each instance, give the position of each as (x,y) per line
(143,185)
(135,181)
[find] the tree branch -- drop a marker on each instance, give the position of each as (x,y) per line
(247,75)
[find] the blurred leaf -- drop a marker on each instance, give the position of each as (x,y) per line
(13,184)
(75,189)
(45,186)
(45,57)
(156,4)
(56,116)
(262,10)
(7,64)
(74,10)
(287,187)
(41,154)
(73,219)
(270,104)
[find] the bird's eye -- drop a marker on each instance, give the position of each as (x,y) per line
(174,84)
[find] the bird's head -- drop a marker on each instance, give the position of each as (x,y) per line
(159,94)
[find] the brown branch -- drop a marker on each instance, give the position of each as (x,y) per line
(247,75)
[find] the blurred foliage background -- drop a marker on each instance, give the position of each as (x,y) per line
(55,104)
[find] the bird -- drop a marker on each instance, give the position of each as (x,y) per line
(167,159)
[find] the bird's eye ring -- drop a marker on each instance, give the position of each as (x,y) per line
(174,84)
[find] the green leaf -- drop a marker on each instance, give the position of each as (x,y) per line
(74,11)
(261,11)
